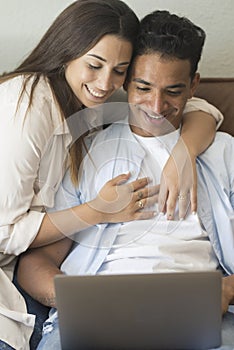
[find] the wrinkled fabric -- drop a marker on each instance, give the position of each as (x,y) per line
(33,152)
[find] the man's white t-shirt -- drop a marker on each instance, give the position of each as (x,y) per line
(159,245)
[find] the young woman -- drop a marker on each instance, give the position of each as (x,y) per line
(81,60)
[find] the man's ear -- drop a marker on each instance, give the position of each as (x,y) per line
(194,84)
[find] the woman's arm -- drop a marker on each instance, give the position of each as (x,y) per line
(43,262)
(116,202)
(179,177)
(32,154)
(30,159)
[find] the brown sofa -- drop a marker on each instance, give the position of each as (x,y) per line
(220,93)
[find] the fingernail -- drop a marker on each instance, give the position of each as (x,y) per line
(194,213)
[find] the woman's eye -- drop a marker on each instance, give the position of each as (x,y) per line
(120,72)
(92,66)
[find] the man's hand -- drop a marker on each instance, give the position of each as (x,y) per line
(227,292)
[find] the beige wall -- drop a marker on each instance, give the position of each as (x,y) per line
(23,22)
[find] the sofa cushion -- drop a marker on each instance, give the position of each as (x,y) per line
(220,93)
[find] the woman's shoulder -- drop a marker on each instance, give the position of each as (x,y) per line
(13,87)
(17,99)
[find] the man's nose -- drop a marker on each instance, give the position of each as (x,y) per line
(157,103)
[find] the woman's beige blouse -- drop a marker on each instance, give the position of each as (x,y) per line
(33,153)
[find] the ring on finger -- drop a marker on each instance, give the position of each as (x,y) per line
(182,197)
(140,204)
(140,195)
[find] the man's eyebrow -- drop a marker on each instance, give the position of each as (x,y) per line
(141,81)
(104,60)
(174,86)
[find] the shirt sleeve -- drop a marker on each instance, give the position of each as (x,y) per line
(22,142)
(67,196)
(198,104)
(231,172)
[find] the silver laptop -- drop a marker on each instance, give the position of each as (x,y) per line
(140,311)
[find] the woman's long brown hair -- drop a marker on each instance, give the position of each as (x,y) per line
(74,32)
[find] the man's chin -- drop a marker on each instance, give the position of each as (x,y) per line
(151,131)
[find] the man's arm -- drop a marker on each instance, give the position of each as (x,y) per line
(227,292)
(37,268)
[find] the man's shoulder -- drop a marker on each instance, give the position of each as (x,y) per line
(223,140)
(222,146)
(223,136)
(111,131)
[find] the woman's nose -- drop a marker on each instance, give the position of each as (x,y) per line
(105,81)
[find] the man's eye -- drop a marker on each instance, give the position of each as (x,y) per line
(174,93)
(142,88)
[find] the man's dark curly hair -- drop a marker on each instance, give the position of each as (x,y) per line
(171,36)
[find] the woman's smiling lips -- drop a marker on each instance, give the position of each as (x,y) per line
(94,93)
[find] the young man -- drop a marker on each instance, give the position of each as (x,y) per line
(163,77)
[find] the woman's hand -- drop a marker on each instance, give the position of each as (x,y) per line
(179,177)
(178,182)
(119,201)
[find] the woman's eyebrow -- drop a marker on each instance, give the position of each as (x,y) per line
(104,60)
(96,56)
